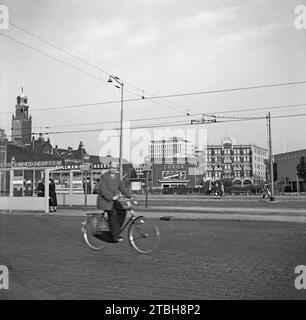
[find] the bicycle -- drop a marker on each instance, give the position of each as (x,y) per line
(143,234)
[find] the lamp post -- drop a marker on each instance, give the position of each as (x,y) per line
(272,198)
(116,79)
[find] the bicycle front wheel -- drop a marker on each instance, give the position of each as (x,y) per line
(143,235)
(89,237)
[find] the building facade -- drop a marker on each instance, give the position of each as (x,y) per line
(171,160)
(229,163)
(168,149)
(237,164)
(285,176)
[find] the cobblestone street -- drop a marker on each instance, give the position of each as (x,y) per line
(48,259)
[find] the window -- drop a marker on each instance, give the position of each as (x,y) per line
(218,174)
(18,183)
(28,183)
(4,183)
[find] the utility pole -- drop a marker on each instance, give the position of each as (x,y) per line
(84,176)
(270,157)
(147,188)
(120,151)
(121,85)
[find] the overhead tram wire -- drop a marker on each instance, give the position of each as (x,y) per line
(139,99)
(61,61)
(174,116)
(146,98)
(71,66)
(164,96)
(170,117)
(67,52)
(157,118)
(174,124)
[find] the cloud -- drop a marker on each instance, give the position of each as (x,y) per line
(149,35)
(100,39)
(207,18)
(235,39)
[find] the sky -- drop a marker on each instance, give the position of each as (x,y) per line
(156,48)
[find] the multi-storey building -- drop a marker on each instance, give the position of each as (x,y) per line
(239,164)
(173,163)
(166,149)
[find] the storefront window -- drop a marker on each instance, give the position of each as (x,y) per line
(4,183)
(18,183)
(61,180)
(77,182)
(88,182)
(38,177)
(28,176)
(96,179)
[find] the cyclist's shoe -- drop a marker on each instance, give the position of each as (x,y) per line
(117,239)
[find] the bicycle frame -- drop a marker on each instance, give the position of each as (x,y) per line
(125,224)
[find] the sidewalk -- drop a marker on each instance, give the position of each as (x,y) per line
(198,213)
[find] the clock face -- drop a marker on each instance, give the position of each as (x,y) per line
(174,175)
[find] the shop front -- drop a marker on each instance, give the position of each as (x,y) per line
(19,185)
(76,186)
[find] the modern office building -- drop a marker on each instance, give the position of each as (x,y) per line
(164,150)
(286,175)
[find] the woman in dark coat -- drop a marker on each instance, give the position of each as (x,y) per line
(52,196)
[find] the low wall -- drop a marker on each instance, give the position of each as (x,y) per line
(76,199)
(22,203)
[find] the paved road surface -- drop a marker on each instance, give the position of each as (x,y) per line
(196,260)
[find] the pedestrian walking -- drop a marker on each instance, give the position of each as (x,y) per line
(222,190)
(217,191)
(52,196)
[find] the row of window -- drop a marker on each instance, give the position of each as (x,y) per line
(237,174)
(25,182)
(228,151)
(228,158)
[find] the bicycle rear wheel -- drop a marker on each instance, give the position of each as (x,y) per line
(89,236)
(143,235)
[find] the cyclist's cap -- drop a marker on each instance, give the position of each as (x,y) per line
(114,164)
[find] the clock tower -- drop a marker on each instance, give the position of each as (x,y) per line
(21,121)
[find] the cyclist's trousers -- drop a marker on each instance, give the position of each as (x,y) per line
(115,221)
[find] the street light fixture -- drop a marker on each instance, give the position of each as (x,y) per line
(110,80)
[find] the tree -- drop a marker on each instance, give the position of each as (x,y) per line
(301,169)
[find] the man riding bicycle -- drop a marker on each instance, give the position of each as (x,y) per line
(108,190)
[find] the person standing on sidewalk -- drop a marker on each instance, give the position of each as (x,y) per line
(52,196)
